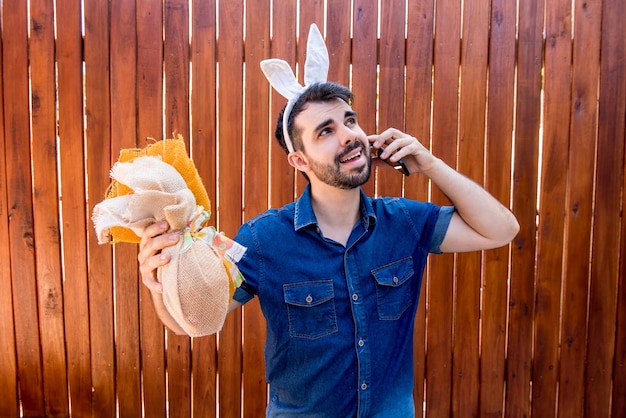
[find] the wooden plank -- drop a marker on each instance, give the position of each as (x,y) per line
(338,42)
(419,78)
(230,107)
(391,86)
(283,46)
(606,236)
(19,202)
(419,61)
(444,145)
(364,70)
(472,108)
(97,108)
(45,207)
(521,302)
(310,12)
(256,184)
(579,207)
(150,124)
(176,57)
(75,225)
(618,405)
(557,87)
(123,135)
(498,182)
(9,404)
(176,54)
(203,152)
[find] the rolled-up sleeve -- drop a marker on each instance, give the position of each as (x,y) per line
(441,227)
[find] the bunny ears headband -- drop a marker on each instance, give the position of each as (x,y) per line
(281,77)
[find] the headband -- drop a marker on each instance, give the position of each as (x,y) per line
(282,79)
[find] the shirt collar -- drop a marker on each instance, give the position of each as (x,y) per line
(304,215)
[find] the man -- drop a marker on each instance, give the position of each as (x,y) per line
(338,274)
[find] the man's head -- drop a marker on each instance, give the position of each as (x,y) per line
(327,141)
(318,92)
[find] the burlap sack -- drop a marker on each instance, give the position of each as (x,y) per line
(195,288)
(200,279)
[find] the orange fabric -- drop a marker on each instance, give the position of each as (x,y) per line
(173,152)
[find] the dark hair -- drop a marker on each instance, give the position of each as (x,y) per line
(317,92)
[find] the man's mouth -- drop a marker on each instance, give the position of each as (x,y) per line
(354,155)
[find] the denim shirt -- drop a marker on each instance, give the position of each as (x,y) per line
(340,319)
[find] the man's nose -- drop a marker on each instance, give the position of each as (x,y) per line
(347,136)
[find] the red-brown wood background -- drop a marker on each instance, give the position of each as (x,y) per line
(527,97)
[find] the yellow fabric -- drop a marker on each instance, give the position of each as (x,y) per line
(173,152)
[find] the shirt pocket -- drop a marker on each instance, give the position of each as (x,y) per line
(311,309)
(393,288)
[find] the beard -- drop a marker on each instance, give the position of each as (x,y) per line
(332,174)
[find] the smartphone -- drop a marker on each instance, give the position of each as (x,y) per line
(397,165)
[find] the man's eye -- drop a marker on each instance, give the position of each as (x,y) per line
(325,131)
(351,121)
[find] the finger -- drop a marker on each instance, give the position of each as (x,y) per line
(148,270)
(153,230)
(151,245)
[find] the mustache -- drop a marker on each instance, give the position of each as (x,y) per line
(356,144)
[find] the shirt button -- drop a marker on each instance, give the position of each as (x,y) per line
(395,280)
(309,299)
(361,342)
(355,297)
(363,385)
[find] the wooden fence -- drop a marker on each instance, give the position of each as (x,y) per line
(527,97)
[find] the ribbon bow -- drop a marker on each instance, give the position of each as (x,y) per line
(229,251)
(282,79)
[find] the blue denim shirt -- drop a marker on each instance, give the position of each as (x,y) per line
(340,319)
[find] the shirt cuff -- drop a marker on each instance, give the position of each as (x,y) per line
(242,295)
(441,227)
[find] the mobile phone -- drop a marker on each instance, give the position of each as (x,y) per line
(397,165)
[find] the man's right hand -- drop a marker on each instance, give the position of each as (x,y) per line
(153,240)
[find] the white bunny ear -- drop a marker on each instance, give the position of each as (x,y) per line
(317,62)
(281,77)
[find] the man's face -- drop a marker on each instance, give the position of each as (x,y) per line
(335,146)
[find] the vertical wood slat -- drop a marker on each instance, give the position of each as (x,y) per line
(338,18)
(310,12)
(521,303)
(444,144)
(9,403)
(557,60)
(364,71)
(203,151)
(391,86)
(123,69)
(282,175)
(150,124)
(499,141)
(230,99)
(74,226)
(176,65)
(20,206)
(472,106)
(419,60)
(578,206)
(45,208)
(97,109)
(601,341)
(256,183)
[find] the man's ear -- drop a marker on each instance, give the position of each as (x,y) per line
(298,161)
